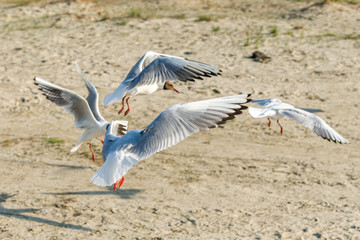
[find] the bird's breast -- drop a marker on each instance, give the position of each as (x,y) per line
(146,89)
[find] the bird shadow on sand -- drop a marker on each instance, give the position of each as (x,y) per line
(122,193)
(19,214)
(67,166)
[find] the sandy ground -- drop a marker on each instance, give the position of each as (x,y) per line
(243,181)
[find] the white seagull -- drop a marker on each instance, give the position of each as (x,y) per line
(276,109)
(86,112)
(170,127)
(154,71)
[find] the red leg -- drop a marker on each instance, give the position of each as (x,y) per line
(123,106)
(121,182)
(102,141)
(127,103)
(281,128)
(92,153)
(115,184)
(269,124)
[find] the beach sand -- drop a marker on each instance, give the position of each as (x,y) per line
(241,181)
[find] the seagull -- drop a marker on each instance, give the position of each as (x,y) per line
(86,112)
(276,109)
(157,70)
(169,128)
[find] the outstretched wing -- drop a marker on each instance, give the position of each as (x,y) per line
(169,128)
(71,101)
(150,56)
(93,96)
(163,68)
(315,123)
(181,120)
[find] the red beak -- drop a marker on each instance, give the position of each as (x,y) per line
(175,90)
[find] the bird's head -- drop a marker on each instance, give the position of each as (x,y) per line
(170,86)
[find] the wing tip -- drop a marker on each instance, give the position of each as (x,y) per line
(340,140)
(37,80)
(237,111)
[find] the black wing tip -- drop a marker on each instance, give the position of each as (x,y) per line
(332,140)
(231,116)
(236,112)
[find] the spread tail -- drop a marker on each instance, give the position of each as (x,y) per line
(118,94)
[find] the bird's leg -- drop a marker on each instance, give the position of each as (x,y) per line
(121,182)
(102,141)
(92,153)
(281,128)
(269,124)
(127,103)
(123,106)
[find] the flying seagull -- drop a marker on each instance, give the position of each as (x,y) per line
(169,128)
(276,109)
(157,71)
(85,111)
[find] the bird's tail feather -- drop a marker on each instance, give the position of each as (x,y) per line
(114,168)
(119,93)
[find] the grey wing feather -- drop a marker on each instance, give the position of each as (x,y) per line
(163,69)
(266,102)
(71,101)
(181,120)
(145,60)
(93,96)
(311,110)
(138,67)
(315,123)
